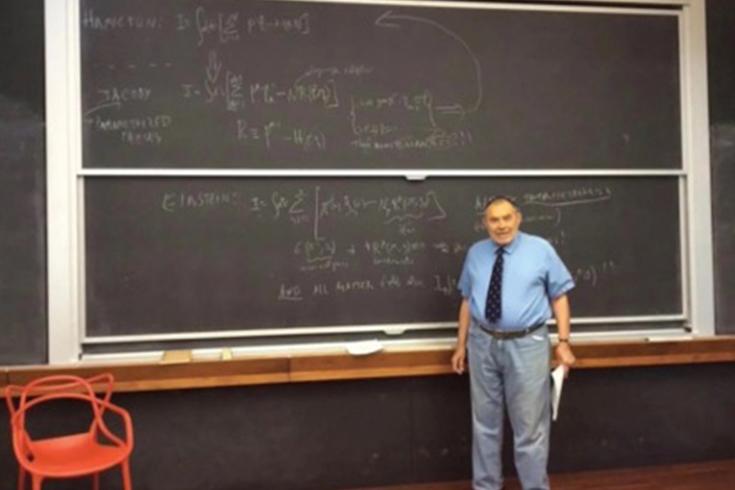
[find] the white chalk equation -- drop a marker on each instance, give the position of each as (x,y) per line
(311,205)
(547,207)
(276,133)
(94,21)
(332,238)
(238,92)
(322,102)
(442,285)
(224,27)
(424,282)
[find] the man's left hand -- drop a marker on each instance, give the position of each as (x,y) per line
(565,356)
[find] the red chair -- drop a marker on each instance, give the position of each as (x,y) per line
(71,455)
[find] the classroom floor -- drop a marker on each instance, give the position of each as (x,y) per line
(716,475)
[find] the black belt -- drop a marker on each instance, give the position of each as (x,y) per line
(511,334)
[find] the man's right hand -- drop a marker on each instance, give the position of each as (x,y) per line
(458,359)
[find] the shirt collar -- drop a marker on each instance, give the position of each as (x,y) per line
(511,247)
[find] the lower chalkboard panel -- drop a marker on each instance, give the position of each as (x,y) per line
(166,255)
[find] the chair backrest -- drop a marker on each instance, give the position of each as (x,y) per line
(66,383)
(12,392)
(57,384)
(60,387)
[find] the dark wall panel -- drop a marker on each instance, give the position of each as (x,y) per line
(336,435)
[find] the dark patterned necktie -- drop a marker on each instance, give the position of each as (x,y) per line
(494,301)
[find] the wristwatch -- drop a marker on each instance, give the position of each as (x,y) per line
(563,340)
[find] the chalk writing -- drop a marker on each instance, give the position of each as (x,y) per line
(351,70)
(93,21)
(389,120)
(136,131)
(594,273)
(261,24)
(289,293)
(118,95)
(223,26)
(159,121)
(436,140)
(569,197)
(354,286)
(446,284)
(176,201)
(270,133)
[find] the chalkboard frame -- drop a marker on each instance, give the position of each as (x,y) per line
(66,177)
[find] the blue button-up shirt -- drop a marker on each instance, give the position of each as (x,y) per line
(533,274)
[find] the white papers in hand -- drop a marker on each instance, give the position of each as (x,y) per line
(557,378)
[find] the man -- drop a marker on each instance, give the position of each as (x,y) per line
(511,284)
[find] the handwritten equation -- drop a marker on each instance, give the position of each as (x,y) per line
(394,240)
(309,104)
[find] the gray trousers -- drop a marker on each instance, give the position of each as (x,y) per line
(513,373)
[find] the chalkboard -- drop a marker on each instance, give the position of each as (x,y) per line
(23,316)
(723,173)
(721,61)
(22,247)
(169,254)
(266,84)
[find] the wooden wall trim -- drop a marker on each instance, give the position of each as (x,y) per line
(155,377)
(386,364)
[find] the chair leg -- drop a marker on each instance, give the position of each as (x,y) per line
(96,481)
(21,478)
(125,470)
(37,482)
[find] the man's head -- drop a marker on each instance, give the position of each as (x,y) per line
(502,220)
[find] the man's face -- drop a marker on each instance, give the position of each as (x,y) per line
(502,221)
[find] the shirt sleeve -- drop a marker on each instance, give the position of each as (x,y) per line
(558,279)
(465,282)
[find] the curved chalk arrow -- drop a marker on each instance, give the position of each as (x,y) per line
(388,20)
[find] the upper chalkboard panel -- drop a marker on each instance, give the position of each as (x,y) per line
(300,85)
